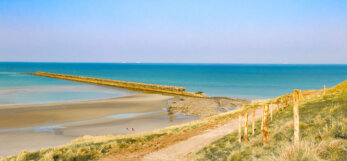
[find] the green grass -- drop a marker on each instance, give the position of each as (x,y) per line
(323,135)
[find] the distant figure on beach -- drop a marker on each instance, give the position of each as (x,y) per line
(127,129)
(132,129)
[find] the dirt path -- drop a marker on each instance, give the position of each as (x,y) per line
(181,150)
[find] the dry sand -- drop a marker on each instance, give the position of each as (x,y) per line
(21,116)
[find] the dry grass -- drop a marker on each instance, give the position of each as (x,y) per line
(323,133)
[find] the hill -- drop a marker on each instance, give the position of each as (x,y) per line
(323,133)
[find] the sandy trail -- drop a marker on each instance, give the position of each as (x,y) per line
(181,150)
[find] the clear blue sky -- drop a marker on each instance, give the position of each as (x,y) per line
(174,31)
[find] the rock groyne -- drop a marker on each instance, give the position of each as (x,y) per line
(154,88)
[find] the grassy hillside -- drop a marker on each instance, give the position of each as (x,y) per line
(323,133)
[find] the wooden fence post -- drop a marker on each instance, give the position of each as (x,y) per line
(253,122)
(240,127)
(246,128)
(266,114)
(296,117)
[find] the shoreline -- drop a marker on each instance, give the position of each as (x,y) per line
(12,106)
(36,126)
(29,116)
(31,140)
(56,88)
(17,116)
(52,127)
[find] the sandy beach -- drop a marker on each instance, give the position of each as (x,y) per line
(18,116)
(36,126)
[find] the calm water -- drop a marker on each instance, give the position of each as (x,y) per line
(241,81)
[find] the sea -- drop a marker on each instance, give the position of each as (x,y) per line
(245,81)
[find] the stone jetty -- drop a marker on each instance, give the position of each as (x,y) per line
(153,88)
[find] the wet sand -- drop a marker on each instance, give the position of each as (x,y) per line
(21,116)
(18,116)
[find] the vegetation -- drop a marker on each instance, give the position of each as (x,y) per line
(323,133)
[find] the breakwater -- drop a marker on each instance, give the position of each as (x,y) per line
(154,88)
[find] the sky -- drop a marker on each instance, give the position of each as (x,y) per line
(179,31)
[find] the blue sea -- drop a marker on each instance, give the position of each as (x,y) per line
(246,81)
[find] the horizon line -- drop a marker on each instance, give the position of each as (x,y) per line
(174,63)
